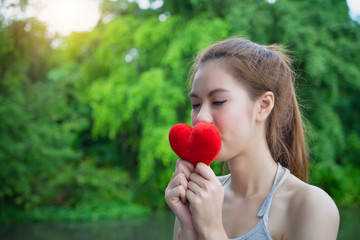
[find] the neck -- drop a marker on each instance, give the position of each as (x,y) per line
(253,171)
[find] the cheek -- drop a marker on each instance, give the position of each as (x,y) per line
(193,118)
(234,125)
(226,124)
(234,128)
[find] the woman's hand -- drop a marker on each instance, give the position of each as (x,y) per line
(175,196)
(206,195)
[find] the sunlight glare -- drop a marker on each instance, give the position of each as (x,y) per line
(66,16)
(354,9)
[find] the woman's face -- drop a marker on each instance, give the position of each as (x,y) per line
(221,100)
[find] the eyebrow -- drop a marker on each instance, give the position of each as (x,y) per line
(212,92)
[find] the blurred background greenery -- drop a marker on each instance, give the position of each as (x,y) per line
(84,117)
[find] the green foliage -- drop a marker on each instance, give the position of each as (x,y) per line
(141,94)
(34,142)
(86,192)
(191,8)
(84,127)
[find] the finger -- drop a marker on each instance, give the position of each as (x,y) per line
(192,198)
(188,164)
(198,180)
(179,179)
(177,162)
(183,168)
(194,187)
(175,194)
(205,171)
(182,193)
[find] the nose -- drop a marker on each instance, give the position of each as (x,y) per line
(204,115)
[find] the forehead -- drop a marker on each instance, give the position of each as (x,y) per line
(214,74)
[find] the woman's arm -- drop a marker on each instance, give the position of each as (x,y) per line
(180,234)
(313,215)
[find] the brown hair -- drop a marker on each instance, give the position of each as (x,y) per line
(261,69)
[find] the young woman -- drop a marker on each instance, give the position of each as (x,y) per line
(246,91)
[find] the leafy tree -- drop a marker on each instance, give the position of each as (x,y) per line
(85,126)
(134,84)
(34,142)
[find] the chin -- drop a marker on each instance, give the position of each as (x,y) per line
(220,158)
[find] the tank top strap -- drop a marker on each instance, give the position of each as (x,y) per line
(264,210)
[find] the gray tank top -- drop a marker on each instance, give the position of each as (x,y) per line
(260,231)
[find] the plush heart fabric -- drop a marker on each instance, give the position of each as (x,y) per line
(199,144)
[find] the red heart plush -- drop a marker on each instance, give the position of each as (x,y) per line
(199,144)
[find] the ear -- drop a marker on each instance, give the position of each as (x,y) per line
(264,105)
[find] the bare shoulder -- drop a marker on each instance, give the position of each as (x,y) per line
(309,197)
(312,213)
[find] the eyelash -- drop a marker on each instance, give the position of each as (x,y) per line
(217,103)
(195,106)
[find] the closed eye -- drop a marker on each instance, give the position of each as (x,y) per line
(219,102)
(195,105)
